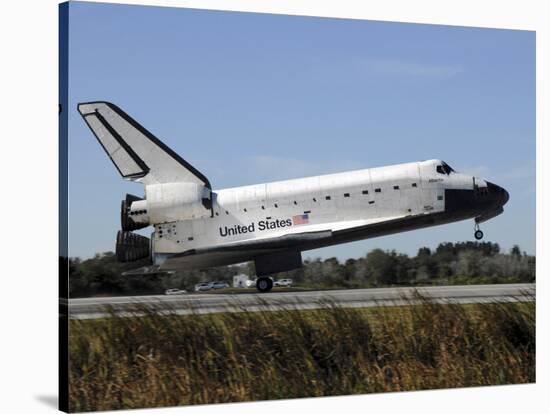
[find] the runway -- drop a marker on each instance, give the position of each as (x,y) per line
(201,303)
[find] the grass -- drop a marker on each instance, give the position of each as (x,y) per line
(166,360)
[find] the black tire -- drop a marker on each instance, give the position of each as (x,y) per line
(478,234)
(264,284)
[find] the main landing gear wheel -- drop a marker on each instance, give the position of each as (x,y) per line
(264,284)
(478,234)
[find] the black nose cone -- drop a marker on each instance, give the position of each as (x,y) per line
(499,196)
(506,196)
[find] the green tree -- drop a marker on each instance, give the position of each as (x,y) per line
(381,267)
(515,251)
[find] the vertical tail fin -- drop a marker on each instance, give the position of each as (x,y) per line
(137,154)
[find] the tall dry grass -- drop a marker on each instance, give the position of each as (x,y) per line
(165,360)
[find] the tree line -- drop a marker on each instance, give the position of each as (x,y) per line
(449,263)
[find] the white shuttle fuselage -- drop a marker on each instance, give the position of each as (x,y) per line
(272,223)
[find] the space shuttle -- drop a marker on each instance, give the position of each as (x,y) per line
(195,226)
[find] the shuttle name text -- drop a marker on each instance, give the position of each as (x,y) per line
(251,228)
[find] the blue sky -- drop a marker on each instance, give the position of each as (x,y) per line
(249,98)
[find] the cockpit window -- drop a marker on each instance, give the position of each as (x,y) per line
(444,168)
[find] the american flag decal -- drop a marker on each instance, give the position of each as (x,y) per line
(300,219)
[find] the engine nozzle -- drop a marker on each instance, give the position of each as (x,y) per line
(131,247)
(127,214)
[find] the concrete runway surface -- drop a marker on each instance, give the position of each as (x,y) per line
(200,303)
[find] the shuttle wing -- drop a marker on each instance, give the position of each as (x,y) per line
(310,237)
(242,251)
(137,154)
(288,241)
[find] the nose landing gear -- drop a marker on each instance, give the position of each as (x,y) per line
(478,234)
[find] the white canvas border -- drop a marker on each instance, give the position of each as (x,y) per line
(29,203)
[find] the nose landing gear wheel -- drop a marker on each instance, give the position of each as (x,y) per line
(478,234)
(264,284)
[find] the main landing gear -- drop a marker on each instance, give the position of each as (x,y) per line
(264,284)
(478,234)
